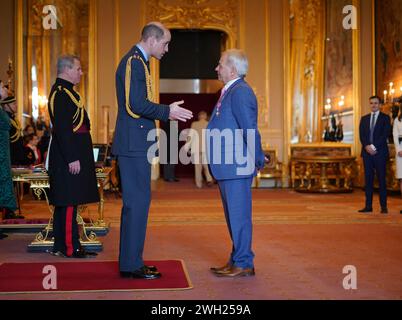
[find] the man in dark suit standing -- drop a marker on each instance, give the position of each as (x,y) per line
(374,130)
(235,159)
(136,118)
(71,163)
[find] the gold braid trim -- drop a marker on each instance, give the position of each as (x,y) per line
(17,134)
(128,85)
(80,111)
(79,103)
(52,101)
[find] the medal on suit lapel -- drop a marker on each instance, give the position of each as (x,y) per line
(219,104)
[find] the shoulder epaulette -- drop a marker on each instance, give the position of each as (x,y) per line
(80,113)
(128,84)
(18,130)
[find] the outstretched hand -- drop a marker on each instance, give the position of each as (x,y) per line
(179,113)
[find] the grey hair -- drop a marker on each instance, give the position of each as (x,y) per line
(66,61)
(238,59)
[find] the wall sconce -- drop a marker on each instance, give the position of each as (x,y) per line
(341,102)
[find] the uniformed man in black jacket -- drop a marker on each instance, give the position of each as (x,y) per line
(17,152)
(71,163)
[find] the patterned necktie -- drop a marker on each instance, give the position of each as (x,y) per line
(372,126)
(218,105)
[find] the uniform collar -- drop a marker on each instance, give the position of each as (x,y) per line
(64,83)
(145,55)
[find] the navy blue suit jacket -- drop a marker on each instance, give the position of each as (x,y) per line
(130,137)
(382,130)
(238,110)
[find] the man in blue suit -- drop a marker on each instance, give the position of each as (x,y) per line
(374,130)
(234,156)
(136,118)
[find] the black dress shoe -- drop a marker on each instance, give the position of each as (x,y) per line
(366,210)
(82,254)
(57,254)
(141,273)
(2,236)
(152,268)
(384,210)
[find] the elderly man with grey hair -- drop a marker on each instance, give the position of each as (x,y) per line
(235,159)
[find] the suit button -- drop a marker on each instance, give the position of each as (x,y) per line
(141,127)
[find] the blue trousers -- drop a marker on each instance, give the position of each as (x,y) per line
(237,204)
(375,164)
(136,187)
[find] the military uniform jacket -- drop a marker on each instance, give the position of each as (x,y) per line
(137,113)
(71,141)
(17,150)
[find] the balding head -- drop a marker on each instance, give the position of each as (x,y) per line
(153,29)
(155,39)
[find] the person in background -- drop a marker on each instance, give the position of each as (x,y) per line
(196,145)
(7,198)
(169,168)
(33,154)
(43,134)
(17,152)
(374,130)
(397,133)
(29,129)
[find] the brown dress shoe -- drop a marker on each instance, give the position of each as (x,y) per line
(223,269)
(237,272)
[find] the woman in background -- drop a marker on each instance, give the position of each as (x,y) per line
(397,133)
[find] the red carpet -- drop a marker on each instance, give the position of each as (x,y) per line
(89,277)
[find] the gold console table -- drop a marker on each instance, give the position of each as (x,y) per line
(39,182)
(324,174)
(322,167)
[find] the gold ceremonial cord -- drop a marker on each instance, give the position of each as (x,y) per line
(128,85)
(17,134)
(79,103)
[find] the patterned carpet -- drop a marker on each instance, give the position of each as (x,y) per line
(183,204)
(301,242)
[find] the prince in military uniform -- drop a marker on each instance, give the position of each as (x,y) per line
(135,119)
(71,162)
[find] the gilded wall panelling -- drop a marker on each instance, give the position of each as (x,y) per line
(306,33)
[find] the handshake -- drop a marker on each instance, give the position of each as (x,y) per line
(179,113)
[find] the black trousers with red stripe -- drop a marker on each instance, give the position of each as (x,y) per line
(65,230)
